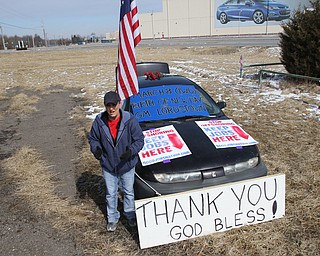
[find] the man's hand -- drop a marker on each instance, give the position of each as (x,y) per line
(126,155)
(97,154)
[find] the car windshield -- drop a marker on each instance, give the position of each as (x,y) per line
(171,102)
(264,1)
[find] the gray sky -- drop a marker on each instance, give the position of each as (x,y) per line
(63,18)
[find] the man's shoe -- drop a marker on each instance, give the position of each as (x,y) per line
(132,222)
(111,226)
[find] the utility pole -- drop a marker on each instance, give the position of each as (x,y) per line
(44,35)
(4,45)
(34,46)
(152,25)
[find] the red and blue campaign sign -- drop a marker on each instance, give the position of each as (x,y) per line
(161,145)
(167,102)
(225,133)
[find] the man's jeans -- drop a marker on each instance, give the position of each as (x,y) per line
(126,181)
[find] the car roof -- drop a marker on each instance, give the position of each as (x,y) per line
(158,73)
(165,79)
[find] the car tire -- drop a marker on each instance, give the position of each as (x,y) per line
(258,17)
(223,18)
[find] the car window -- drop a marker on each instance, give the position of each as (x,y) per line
(263,1)
(171,101)
(231,2)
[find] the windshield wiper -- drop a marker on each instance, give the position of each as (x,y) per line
(197,117)
(146,123)
(180,118)
(187,118)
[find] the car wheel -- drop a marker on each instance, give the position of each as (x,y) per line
(223,18)
(258,17)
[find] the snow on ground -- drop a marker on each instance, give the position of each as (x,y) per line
(92,111)
(267,93)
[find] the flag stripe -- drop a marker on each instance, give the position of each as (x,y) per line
(127,57)
(129,37)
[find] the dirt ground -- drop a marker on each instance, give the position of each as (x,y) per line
(44,99)
(49,131)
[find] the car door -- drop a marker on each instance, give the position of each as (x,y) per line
(232,9)
(247,9)
(240,10)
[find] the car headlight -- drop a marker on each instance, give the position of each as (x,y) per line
(177,177)
(271,7)
(239,167)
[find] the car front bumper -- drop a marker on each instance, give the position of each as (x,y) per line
(146,189)
(278,15)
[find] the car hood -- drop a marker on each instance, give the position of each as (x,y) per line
(272,4)
(204,155)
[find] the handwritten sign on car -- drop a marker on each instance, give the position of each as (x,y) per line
(166,102)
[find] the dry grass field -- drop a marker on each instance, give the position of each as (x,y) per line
(283,116)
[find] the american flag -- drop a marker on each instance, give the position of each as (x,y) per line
(129,37)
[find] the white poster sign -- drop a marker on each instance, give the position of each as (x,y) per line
(225,133)
(161,145)
(181,216)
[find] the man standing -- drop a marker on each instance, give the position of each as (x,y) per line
(115,140)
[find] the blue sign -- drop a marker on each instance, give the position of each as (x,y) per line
(167,102)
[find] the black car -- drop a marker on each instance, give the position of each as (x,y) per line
(171,109)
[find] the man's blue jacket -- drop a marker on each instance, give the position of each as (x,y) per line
(129,136)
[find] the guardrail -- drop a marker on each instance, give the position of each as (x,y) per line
(256,65)
(261,71)
(264,64)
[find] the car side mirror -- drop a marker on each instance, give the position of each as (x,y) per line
(248,3)
(222,104)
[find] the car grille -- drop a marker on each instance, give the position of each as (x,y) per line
(285,12)
(212,173)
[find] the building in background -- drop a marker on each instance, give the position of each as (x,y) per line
(193,18)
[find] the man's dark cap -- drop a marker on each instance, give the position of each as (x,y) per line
(111,97)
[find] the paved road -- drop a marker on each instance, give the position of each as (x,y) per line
(257,40)
(252,40)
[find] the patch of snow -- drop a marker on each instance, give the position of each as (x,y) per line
(274,51)
(93,111)
(275,96)
(245,89)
